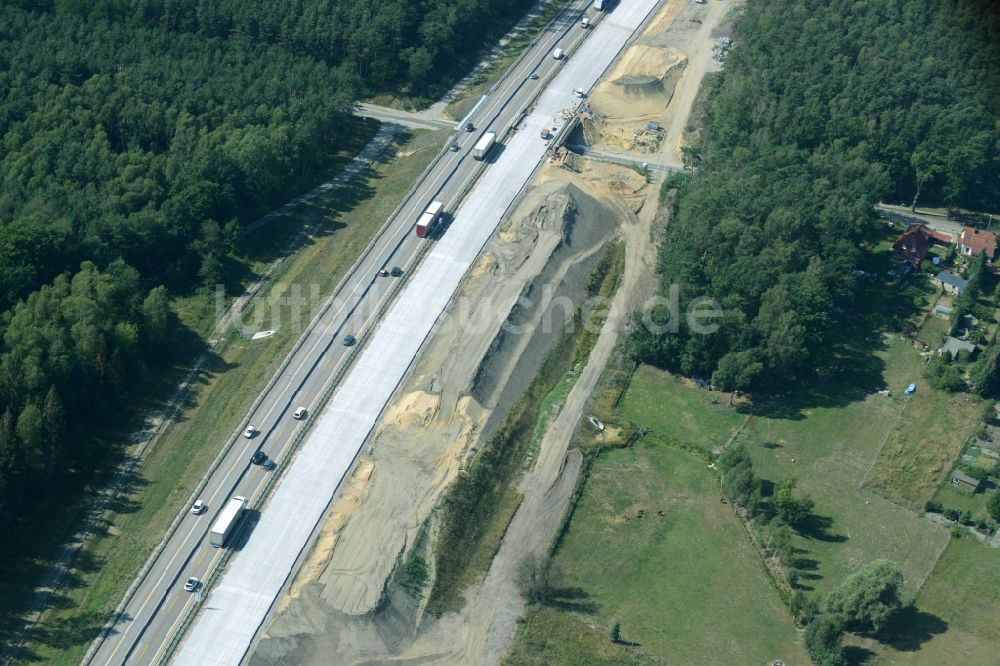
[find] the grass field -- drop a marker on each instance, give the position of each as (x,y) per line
(829,440)
(671,406)
(548,637)
(681,577)
(342,223)
(926,438)
(958,610)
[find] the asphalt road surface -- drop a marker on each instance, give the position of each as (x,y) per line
(153,613)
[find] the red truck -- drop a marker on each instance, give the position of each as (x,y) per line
(429,218)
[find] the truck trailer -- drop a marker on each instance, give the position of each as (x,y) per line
(483,146)
(429,218)
(227,520)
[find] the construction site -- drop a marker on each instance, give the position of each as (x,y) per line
(508,314)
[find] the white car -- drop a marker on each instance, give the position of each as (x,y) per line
(192,584)
(249,432)
(300,413)
(198,507)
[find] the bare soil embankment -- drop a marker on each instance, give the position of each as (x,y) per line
(503,321)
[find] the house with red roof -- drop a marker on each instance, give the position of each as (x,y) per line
(912,245)
(974,242)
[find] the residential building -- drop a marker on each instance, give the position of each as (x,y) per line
(974,242)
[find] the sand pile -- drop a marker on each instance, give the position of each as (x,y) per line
(480,358)
(641,85)
(635,95)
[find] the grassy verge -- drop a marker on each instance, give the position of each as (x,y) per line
(341,224)
(495,71)
(482,501)
(660,555)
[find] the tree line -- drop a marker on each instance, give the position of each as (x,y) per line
(138,137)
(822,110)
(864,603)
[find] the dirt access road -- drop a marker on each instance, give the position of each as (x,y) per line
(342,602)
(489,618)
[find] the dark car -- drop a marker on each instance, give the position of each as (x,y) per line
(396,271)
(533,76)
(258,458)
(469,127)
(349,340)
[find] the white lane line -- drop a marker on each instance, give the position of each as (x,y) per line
(494,107)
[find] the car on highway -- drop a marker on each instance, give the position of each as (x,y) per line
(191,584)
(198,508)
(349,340)
(533,76)
(299,414)
(469,127)
(258,458)
(250,432)
(454,147)
(396,271)
(384,272)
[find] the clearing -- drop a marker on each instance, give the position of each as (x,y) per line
(662,556)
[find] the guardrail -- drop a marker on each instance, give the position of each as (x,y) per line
(330,387)
(116,614)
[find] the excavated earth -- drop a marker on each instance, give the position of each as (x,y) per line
(505,318)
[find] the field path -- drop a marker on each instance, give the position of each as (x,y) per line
(495,605)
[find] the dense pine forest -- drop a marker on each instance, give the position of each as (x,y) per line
(138,137)
(823,109)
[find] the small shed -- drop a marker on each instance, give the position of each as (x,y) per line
(965,483)
(950,282)
(952,346)
(942,310)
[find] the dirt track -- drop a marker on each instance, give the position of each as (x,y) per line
(469,373)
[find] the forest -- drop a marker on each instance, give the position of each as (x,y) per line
(822,110)
(138,138)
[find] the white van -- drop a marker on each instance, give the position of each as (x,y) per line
(557,54)
(300,414)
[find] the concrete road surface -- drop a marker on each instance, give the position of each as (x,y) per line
(227,624)
(153,613)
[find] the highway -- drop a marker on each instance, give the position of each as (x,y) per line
(153,613)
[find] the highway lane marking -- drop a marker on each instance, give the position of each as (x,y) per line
(172,602)
(156,587)
(142,651)
(170,632)
(500,99)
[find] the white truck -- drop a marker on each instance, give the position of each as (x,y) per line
(598,5)
(585,22)
(227,520)
(429,218)
(483,146)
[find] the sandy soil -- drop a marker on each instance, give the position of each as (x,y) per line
(656,81)
(472,367)
(345,601)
